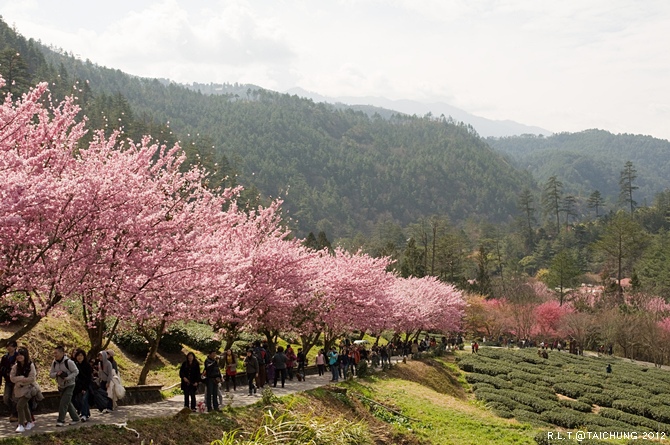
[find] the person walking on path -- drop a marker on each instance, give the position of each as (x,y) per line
(332,362)
(302,362)
(189,373)
(251,367)
(23,375)
(82,385)
(105,374)
(6,364)
(230,362)
(65,372)
(279,360)
(321,362)
(212,376)
(290,361)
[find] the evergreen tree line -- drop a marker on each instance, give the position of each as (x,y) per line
(555,237)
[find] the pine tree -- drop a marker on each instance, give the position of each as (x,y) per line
(569,207)
(14,70)
(628,175)
(551,199)
(526,207)
(595,201)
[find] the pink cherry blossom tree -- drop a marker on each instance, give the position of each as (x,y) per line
(43,214)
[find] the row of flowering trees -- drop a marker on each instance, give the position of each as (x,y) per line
(638,327)
(125,229)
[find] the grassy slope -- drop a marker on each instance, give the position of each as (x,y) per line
(433,394)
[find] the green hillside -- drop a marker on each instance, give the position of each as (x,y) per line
(339,170)
(592,160)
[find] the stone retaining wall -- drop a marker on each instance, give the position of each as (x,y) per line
(135,395)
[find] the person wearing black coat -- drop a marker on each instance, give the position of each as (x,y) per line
(251,367)
(212,376)
(280,361)
(189,373)
(82,385)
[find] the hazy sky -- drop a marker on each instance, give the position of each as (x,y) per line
(563,65)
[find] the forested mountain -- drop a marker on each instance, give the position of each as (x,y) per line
(592,160)
(338,170)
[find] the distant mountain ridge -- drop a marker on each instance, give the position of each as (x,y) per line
(484,127)
(387,107)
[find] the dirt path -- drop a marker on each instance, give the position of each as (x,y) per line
(46,423)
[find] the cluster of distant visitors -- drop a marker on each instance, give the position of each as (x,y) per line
(82,384)
(219,371)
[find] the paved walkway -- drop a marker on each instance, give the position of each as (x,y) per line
(46,423)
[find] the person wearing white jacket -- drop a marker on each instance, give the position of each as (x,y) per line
(65,372)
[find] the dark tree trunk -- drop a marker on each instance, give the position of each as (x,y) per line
(153,350)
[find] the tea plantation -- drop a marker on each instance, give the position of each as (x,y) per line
(569,391)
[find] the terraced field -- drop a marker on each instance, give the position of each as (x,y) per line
(571,392)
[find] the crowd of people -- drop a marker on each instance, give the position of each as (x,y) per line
(82,384)
(85,383)
(219,372)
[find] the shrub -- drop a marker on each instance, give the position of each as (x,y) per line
(490,369)
(564,417)
(526,377)
(196,335)
(131,342)
(632,407)
(660,413)
(635,420)
(492,397)
(598,420)
(500,410)
(537,404)
(597,399)
(573,390)
(170,343)
(523,415)
(576,405)
(491,380)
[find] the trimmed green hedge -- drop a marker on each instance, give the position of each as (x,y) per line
(567,418)
(576,405)
(491,380)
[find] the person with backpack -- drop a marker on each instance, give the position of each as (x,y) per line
(189,373)
(279,360)
(212,377)
(23,375)
(82,385)
(251,367)
(65,372)
(6,365)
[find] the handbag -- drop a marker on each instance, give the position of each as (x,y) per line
(36,392)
